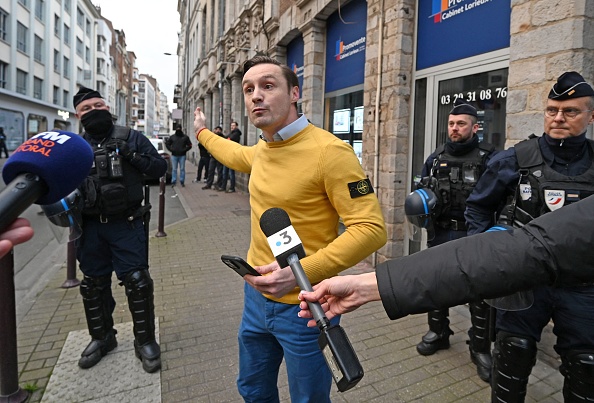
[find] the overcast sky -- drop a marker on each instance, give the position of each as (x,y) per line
(151,28)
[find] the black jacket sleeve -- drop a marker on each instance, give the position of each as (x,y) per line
(147,159)
(556,248)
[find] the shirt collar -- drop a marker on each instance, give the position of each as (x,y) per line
(291,129)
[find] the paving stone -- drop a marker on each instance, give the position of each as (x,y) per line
(199,302)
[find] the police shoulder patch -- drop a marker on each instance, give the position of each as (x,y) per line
(360,188)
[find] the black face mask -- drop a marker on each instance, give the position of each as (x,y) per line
(97,123)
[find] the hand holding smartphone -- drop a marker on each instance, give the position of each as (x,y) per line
(239,265)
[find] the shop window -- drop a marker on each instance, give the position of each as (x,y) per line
(13,124)
(344,118)
(36,124)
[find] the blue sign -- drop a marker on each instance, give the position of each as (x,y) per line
(295,59)
(345,46)
(450,30)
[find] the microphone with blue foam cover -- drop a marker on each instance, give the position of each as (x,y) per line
(44,169)
(287,248)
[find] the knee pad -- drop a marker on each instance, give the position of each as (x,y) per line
(92,287)
(515,355)
(578,370)
(513,359)
(139,284)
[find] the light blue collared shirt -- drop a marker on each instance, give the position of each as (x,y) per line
(290,130)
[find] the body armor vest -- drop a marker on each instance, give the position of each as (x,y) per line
(114,187)
(456,177)
(542,189)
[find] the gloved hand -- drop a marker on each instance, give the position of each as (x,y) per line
(121,147)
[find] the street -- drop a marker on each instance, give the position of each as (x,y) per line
(37,260)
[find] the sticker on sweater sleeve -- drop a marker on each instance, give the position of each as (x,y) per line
(360,188)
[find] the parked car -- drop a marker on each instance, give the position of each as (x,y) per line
(159,145)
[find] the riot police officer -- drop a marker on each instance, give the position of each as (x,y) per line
(533,177)
(114,237)
(452,171)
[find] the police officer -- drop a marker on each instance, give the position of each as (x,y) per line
(452,171)
(530,179)
(113,233)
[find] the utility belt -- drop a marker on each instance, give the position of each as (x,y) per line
(127,216)
(452,224)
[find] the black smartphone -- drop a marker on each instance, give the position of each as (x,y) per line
(239,265)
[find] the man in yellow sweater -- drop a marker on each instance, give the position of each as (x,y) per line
(316,178)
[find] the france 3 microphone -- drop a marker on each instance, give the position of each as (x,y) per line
(333,341)
(44,169)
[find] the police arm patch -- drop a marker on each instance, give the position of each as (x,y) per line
(360,188)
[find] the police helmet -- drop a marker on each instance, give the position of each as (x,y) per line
(419,207)
(67,213)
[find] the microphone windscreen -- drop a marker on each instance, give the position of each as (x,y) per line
(61,159)
(273,220)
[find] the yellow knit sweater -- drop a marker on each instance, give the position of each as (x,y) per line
(307,175)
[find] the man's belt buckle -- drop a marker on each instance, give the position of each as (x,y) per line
(457,225)
(102,220)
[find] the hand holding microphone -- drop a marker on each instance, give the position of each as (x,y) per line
(333,341)
(43,170)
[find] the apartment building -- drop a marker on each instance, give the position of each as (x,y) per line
(383,74)
(48,49)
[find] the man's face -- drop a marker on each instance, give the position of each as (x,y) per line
(461,128)
(90,104)
(233,126)
(562,127)
(268,100)
(218,130)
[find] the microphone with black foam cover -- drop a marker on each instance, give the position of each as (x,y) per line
(333,341)
(44,169)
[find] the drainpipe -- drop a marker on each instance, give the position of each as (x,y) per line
(377,108)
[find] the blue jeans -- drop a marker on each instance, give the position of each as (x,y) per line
(175,161)
(228,174)
(268,332)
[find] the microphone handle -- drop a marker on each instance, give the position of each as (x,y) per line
(303,283)
(18,195)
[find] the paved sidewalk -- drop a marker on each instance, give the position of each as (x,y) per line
(198,304)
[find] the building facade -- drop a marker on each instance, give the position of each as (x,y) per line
(383,74)
(48,50)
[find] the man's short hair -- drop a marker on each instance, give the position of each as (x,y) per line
(218,127)
(290,76)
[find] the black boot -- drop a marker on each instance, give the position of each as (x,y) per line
(438,336)
(139,289)
(99,304)
(479,343)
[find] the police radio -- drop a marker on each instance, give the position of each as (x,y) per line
(115,165)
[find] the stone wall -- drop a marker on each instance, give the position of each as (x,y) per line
(390,137)
(548,37)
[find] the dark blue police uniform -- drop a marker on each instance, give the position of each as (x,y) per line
(114,239)
(452,171)
(566,165)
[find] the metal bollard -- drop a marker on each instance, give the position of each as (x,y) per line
(10,391)
(160,231)
(71,280)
